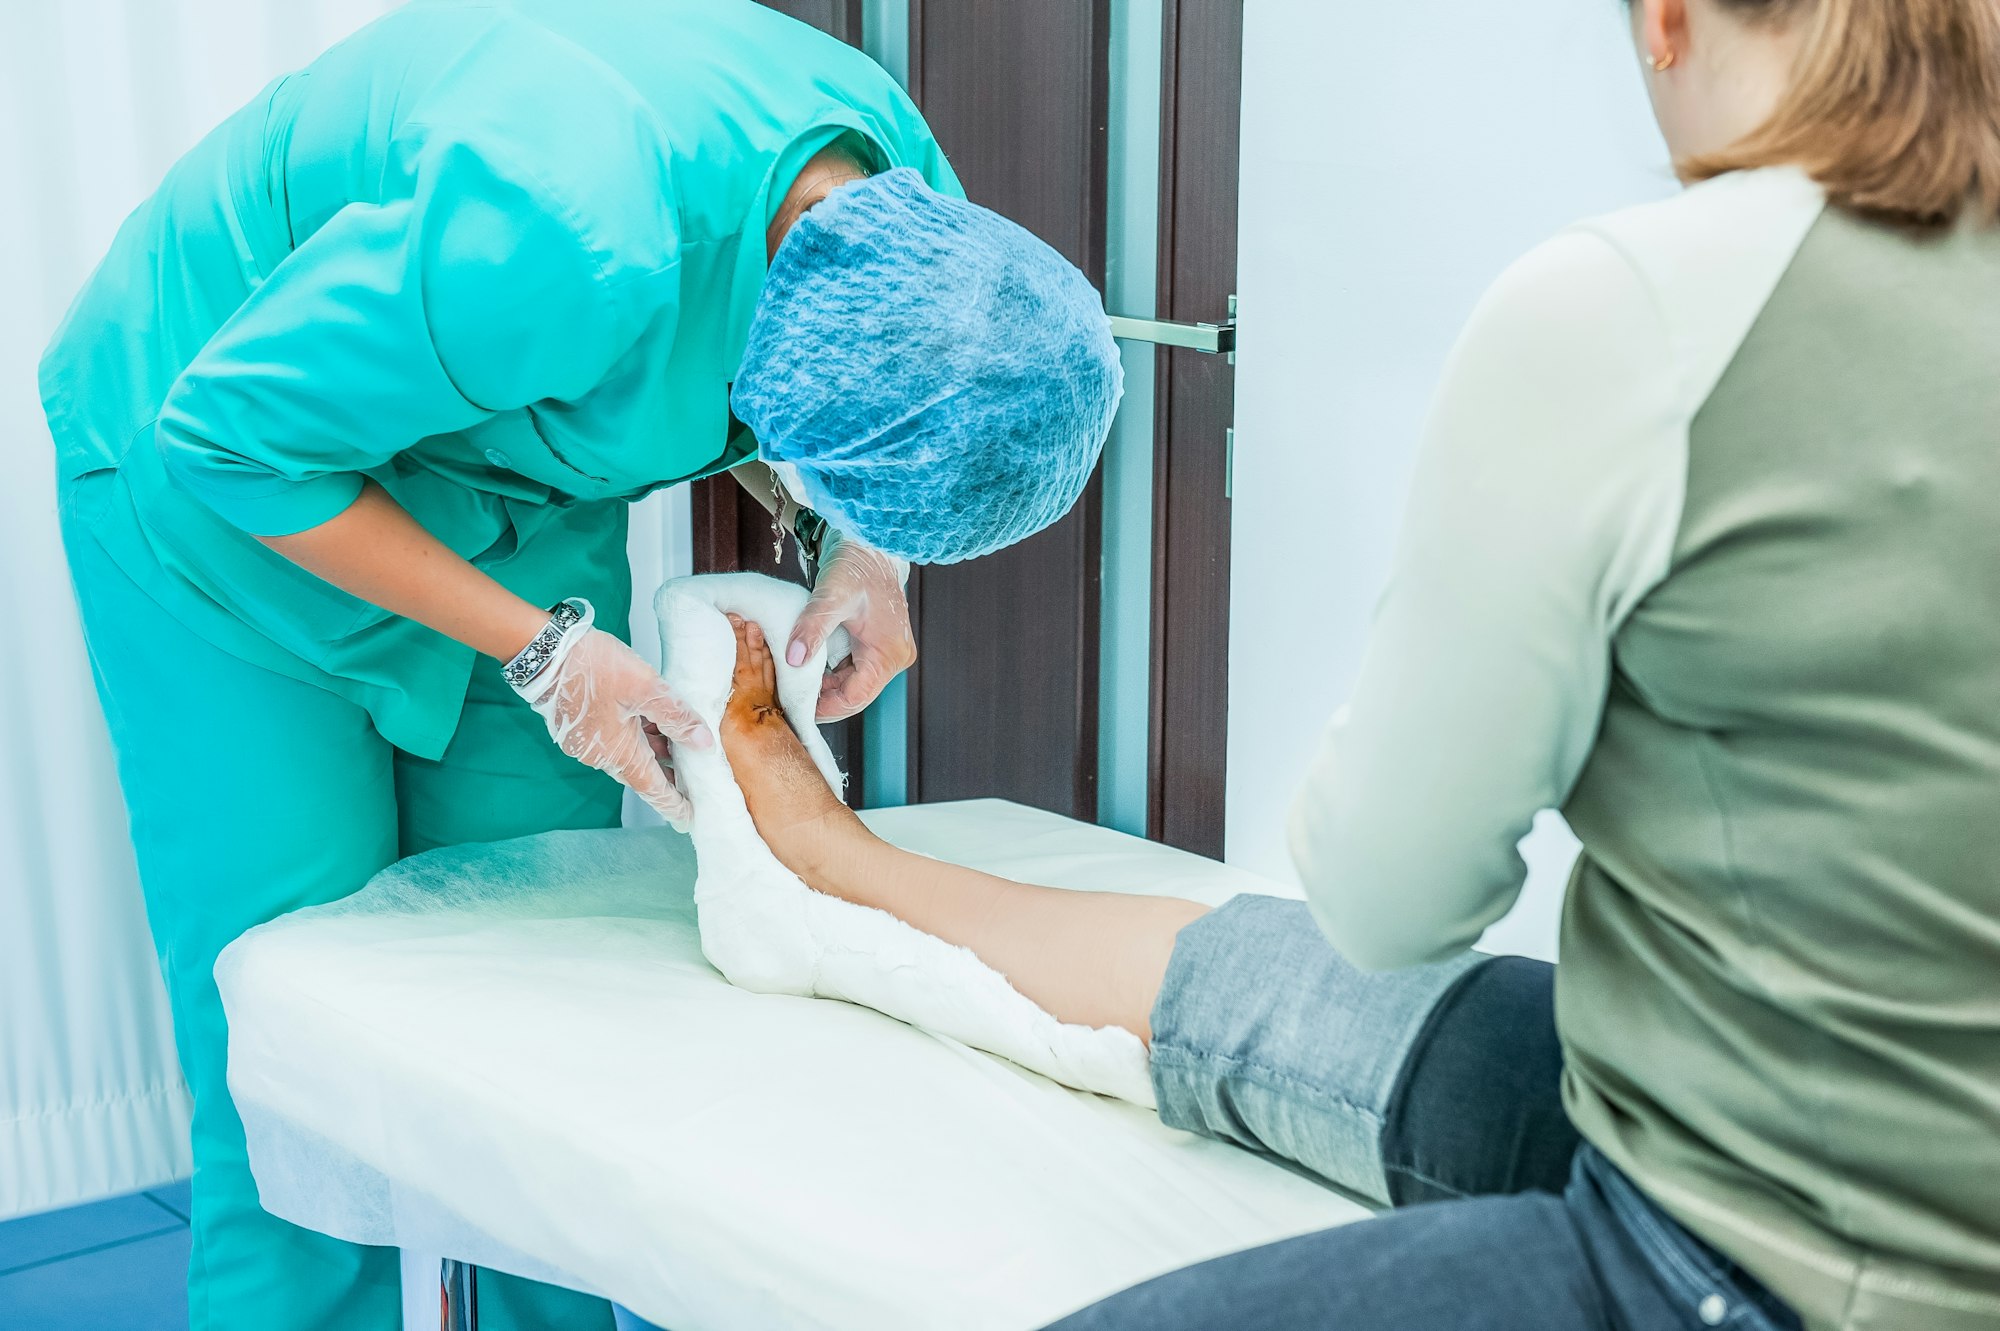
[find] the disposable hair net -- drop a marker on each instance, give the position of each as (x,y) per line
(940,380)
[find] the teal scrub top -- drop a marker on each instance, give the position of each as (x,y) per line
(501,258)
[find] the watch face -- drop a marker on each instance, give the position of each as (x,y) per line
(811,530)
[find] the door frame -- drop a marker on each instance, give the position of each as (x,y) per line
(1201,100)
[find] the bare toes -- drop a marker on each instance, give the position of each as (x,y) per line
(753,687)
(761,660)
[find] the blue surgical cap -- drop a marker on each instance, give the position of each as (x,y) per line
(941,380)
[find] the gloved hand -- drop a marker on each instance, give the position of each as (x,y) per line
(860,589)
(606,707)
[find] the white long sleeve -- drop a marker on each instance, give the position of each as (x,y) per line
(1546,504)
(1547,492)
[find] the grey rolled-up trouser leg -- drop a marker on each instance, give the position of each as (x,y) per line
(1304,1068)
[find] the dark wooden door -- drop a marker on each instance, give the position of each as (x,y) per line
(1004,697)
(842,18)
(1195,403)
(1004,700)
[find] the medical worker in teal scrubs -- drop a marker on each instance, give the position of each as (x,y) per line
(347,420)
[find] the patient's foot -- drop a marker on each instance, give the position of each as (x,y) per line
(1089,958)
(800,818)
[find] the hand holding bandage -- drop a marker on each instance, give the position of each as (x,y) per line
(604,704)
(859,589)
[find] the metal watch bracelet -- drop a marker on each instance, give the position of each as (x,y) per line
(809,529)
(531,660)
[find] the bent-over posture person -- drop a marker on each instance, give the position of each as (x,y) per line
(361,394)
(1702,550)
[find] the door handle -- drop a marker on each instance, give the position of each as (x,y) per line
(1214,339)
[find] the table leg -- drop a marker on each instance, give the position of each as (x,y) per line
(458,1296)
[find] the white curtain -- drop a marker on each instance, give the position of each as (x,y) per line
(97,98)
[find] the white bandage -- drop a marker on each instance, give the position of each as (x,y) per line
(767,931)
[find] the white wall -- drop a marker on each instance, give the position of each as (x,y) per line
(1396,157)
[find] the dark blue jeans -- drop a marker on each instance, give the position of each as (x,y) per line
(1437,1091)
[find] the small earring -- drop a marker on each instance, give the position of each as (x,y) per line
(1662,66)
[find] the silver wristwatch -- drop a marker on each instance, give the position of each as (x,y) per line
(531,660)
(809,529)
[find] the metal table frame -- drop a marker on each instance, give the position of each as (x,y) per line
(458,1296)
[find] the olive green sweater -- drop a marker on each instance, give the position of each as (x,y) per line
(1704,550)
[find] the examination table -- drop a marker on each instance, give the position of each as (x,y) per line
(515,1056)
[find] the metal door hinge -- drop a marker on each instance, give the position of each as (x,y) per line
(1215,339)
(1229,463)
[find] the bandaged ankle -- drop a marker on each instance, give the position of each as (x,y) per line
(766,931)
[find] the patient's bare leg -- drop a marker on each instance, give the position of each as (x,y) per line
(1092,958)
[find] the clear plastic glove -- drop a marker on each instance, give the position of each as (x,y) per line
(606,707)
(859,589)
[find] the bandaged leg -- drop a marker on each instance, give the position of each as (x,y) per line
(766,929)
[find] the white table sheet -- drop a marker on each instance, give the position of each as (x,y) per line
(516,1055)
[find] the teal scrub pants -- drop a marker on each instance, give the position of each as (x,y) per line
(251,795)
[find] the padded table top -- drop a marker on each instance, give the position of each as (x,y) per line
(516,1055)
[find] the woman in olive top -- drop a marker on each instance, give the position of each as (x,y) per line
(1704,550)
(360,394)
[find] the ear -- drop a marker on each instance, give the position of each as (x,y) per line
(1664,30)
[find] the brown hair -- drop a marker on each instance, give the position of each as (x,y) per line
(1894,108)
